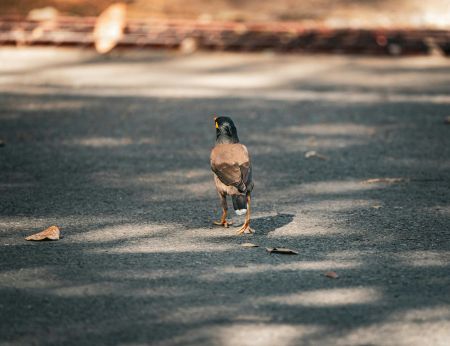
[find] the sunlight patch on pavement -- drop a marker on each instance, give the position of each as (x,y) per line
(29,278)
(263,334)
(108,288)
(53,106)
(306,225)
(167,239)
(185,184)
(70,225)
(321,218)
(323,188)
(243,76)
(424,258)
(338,205)
(199,313)
(181,176)
(223,273)
(246,333)
(162,247)
(330,187)
(335,129)
(145,274)
(190,92)
(348,255)
(439,163)
(101,142)
(121,232)
(442,210)
(327,297)
(413,327)
(291,143)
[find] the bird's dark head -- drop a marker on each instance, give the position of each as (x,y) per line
(225,130)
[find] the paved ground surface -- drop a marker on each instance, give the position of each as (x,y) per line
(115,151)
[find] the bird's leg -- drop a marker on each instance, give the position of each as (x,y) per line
(246,226)
(223,220)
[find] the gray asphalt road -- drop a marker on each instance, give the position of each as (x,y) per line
(115,151)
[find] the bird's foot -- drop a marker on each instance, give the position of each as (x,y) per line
(245,229)
(224,223)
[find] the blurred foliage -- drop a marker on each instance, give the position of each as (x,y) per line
(329,12)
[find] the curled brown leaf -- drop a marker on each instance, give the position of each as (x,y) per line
(51,233)
(313,153)
(331,275)
(281,250)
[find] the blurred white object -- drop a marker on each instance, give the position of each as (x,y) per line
(109,27)
(314,153)
(43,14)
(188,45)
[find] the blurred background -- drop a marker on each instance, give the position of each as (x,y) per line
(336,13)
(341,26)
(106,127)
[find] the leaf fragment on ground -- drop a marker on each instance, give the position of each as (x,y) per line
(313,153)
(377,206)
(281,250)
(2,143)
(331,275)
(312,141)
(109,27)
(385,180)
(51,233)
(249,245)
(447,120)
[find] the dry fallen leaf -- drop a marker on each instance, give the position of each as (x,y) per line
(331,275)
(447,120)
(313,153)
(312,141)
(281,250)
(2,143)
(51,233)
(385,180)
(109,27)
(249,245)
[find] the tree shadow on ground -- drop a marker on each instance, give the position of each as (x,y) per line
(129,182)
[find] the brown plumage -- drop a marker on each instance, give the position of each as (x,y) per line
(232,169)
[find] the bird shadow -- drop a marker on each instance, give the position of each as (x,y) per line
(265,225)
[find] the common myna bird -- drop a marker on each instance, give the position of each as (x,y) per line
(232,169)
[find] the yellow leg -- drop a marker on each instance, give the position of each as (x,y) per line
(223,220)
(246,226)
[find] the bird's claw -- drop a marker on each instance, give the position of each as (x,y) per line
(245,229)
(223,223)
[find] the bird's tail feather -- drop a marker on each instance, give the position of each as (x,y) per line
(239,204)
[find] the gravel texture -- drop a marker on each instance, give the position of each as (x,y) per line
(115,151)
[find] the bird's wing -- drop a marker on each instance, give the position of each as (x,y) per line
(231,164)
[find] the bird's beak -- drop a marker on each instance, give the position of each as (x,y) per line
(215,121)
